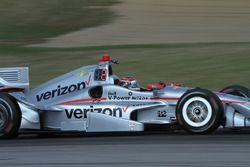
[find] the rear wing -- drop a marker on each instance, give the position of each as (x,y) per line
(14,79)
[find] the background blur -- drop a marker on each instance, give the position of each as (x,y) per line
(202,43)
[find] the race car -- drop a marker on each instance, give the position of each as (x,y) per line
(94,99)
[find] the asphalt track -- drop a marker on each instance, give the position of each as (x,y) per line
(177,149)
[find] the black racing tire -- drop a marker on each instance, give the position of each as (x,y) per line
(199,111)
(10,117)
(237,90)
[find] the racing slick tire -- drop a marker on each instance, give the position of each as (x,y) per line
(237,90)
(199,111)
(10,117)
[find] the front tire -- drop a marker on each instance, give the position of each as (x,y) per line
(199,111)
(10,117)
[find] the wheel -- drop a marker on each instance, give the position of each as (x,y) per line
(237,90)
(10,116)
(199,111)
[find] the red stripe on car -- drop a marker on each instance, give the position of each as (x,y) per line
(164,98)
(231,101)
(81,100)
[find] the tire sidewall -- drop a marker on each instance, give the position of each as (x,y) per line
(12,110)
(7,111)
(217,110)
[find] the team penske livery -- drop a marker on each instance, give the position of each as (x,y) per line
(94,99)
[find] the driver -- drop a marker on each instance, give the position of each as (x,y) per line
(130,83)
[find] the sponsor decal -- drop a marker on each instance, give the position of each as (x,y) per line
(83,73)
(81,113)
(62,90)
(118,98)
(113,96)
(162,114)
(88,81)
(139,98)
(112,93)
(128,97)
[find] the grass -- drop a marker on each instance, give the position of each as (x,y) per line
(208,65)
(32,21)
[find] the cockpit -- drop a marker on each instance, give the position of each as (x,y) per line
(104,72)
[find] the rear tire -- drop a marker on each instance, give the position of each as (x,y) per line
(237,90)
(10,117)
(199,111)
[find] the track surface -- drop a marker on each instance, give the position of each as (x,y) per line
(224,148)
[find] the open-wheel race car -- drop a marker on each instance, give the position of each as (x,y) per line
(93,99)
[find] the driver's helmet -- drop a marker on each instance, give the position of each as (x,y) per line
(130,83)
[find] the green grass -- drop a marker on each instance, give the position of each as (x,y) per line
(208,65)
(32,21)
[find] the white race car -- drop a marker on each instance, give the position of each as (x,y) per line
(93,99)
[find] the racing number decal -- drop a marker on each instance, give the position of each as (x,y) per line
(104,74)
(100,74)
(162,114)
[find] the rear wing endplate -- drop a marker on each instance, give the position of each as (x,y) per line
(15,78)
